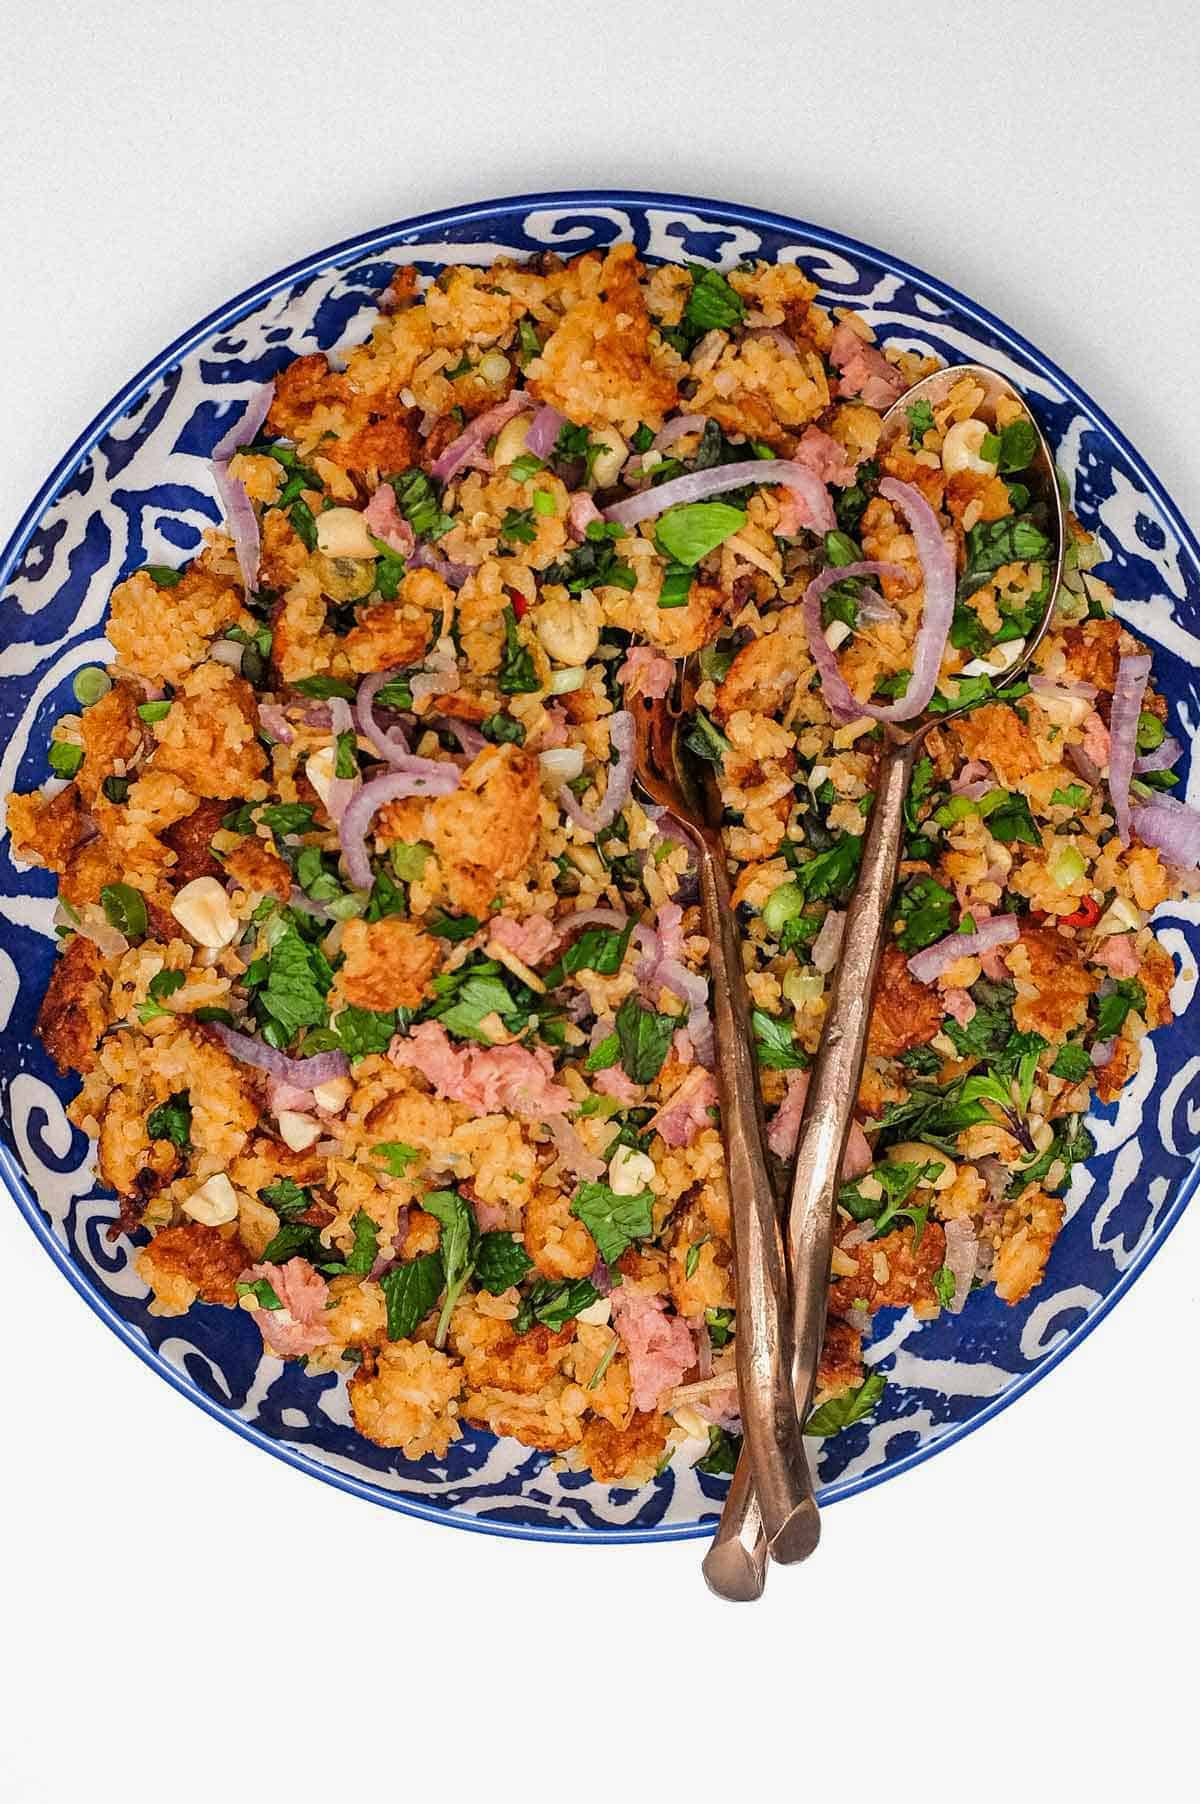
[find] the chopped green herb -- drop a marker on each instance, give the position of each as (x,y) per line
(397,1155)
(945,1284)
(920,421)
(161,985)
(924,909)
(362,1031)
(554,1304)
(263,1292)
(1018,446)
(451,927)
(1016,539)
(518,526)
(418,502)
(503,729)
(604,1054)
(125,909)
(1126,995)
(1072,1062)
(116,789)
(172,1120)
(713,304)
(459,1239)
(775,1044)
(287,1198)
(152,711)
(724,1450)
(163,575)
(517,673)
(841,1412)
(689,532)
(599,949)
(410,1291)
(676,586)
(614,1222)
(644,1037)
(501,1262)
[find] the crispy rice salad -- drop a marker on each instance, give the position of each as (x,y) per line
(388,994)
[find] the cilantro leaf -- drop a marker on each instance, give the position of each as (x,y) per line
(172,1120)
(1018,446)
(1009,818)
(365,1250)
(830,873)
(774,1043)
(161,985)
(287,817)
(125,909)
(920,421)
(397,1155)
(594,564)
(263,1292)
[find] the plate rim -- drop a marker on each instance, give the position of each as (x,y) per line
(227,313)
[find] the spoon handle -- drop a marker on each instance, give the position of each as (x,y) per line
(833,1089)
(736,1563)
(773,1440)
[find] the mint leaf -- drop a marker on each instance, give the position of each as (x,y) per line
(723,1452)
(1072,1062)
(599,949)
(613,1221)
(410,1291)
(644,1038)
(851,1406)
(554,1304)
(500,1262)
(298,981)
(287,1198)
(362,1031)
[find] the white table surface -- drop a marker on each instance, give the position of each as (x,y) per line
(1012,1616)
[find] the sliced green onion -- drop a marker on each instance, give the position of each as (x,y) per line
(90,684)
(65,758)
(563,681)
(153,710)
(781,905)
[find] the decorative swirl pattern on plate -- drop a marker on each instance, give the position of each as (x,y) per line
(136,489)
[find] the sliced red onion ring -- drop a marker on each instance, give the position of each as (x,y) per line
(1164,757)
(1129,692)
(838,696)
(677,428)
(593,917)
(702,485)
(828,943)
(303,1073)
(937,568)
(425,558)
(543,432)
(973,771)
(390,743)
(1172,827)
(620,779)
(477,433)
(998,930)
(272,717)
(341,789)
(421,777)
(571,1150)
(239,512)
(1080,692)
(875,610)
(470,739)
(961,1260)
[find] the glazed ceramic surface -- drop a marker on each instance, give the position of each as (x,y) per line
(136,489)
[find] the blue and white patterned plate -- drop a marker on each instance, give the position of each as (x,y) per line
(136,488)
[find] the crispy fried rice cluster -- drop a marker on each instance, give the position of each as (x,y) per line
(497,1195)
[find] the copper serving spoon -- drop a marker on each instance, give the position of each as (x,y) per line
(735,1565)
(773,1449)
